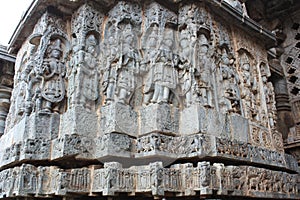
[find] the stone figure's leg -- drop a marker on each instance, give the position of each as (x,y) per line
(147,97)
(110,92)
(157,91)
(122,95)
(166,94)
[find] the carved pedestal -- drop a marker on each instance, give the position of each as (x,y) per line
(239,127)
(80,121)
(118,118)
(43,125)
(161,118)
(198,119)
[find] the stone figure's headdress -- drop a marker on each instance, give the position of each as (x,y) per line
(203,40)
(154,33)
(91,40)
(184,34)
(168,34)
(56,45)
(244,59)
(127,31)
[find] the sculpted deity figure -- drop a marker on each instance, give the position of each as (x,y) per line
(249,89)
(229,80)
(205,65)
(187,67)
(147,66)
(164,75)
(128,65)
(32,74)
(86,74)
(53,87)
(270,100)
(204,174)
(112,57)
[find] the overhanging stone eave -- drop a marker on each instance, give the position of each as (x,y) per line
(245,23)
(38,7)
(7,57)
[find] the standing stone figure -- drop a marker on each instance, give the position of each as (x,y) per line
(147,66)
(229,81)
(72,70)
(86,78)
(128,66)
(53,87)
(165,75)
(205,70)
(270,101)
(248,89)
(110,66)
(186,67)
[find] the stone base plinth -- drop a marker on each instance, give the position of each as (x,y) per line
(203,180)
(79,121)
(118,118)
(43,125)
(159,118)
(198,119)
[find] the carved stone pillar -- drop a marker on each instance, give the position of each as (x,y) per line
(6,83)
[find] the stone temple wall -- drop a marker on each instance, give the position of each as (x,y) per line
(145,99)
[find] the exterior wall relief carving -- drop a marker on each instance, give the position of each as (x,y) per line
(180,179)
(139,97)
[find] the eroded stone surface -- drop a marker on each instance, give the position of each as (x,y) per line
(138,86)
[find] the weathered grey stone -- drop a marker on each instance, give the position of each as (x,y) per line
(79,121)
(43,125)
(119,118)
(159,118)
(239,128)
(136,86)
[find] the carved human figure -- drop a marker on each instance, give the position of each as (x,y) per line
(204,174)
(187,67)
(86,74)
(165,75)
(109,70)
(238,178)
(53,87)
(270,100)
(249,89)
(148,63)
(33,75)
(229,80)
(205,70)
(129,66)
(72,70)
